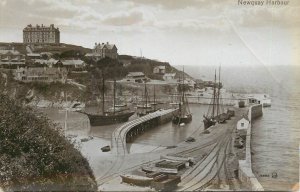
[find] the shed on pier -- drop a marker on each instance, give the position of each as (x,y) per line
(242,126)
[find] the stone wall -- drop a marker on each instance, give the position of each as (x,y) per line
(255,111)
(245,166)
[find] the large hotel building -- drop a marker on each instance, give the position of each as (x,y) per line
(41,34)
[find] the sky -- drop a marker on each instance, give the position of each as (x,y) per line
(181,32)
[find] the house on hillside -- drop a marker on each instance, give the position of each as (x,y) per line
(41,34)
(11,57)
(49,62)
(169,76)
(34,56)
(73,63)
(190,82)
(102,50)
(41,74)
(159,70)
(136,77)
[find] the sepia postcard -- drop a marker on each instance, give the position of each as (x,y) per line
(149,95)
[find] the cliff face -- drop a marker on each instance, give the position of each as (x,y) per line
(32,93)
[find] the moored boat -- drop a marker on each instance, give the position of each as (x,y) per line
(183,115)
(146,107)
(112,116)
(215,112)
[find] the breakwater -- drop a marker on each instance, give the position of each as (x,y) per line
(245,166)
(132,129)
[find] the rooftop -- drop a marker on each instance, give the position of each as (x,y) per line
(104,45)
(134,74)
(170,74)
(41,71)
(9,52)
(72,62)
(30,27)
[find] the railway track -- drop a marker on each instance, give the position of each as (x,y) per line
(212,164)
(120,147)
(213,167)
(206,170)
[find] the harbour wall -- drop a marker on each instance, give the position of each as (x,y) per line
(132,129)
(207,100)
(166,117)
(245,166)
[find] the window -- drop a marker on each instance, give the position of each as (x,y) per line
(242,124)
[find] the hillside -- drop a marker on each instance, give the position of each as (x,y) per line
(34,156)
(64,50)
(52,48)
(58,92)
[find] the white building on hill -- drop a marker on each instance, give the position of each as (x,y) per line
(136,77)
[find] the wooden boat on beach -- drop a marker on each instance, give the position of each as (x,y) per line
(136,180)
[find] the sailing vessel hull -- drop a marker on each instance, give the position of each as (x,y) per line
(178,120)
(99,120)
(208,123)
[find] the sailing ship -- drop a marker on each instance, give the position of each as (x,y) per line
(183,115)
(215,112)
(146,107)
(113,116)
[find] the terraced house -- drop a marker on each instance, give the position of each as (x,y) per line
(11,57)
(41,74)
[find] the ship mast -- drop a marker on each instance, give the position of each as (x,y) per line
(218,95)
(146,98)
(183,90)
(114,100)
(103,99)
(214,100)
(154,102)
(179,89)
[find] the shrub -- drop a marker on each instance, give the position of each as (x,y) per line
(35,156)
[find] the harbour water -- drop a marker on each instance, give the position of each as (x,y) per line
(276,135)
(275,144)
(164,135)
